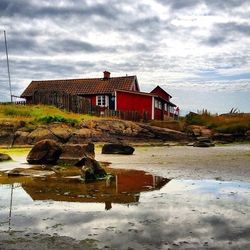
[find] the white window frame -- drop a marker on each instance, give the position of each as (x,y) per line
(166,107)
(102,100)
(158,104)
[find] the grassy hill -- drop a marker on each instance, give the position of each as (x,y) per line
(37,114)
(234,123)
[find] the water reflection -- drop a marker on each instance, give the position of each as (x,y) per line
(124,187)
(182,214)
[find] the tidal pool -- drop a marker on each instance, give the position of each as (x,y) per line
(175,214)
(134,210)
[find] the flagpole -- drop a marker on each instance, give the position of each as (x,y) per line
(8,66)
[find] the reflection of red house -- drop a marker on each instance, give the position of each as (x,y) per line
(124,188)
(113,93)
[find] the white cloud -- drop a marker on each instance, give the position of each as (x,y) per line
(191,44)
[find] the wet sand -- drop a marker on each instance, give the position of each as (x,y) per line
(227,162)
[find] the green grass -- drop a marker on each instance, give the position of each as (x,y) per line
(39,114)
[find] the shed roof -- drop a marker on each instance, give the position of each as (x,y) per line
(87,86)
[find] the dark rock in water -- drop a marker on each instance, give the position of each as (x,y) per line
(92,170)
(117,149)
(44,152)
(203,142)
(72,154)
(4,157)
(204,139)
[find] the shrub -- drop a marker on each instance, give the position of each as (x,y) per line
(237,128)
(56,118)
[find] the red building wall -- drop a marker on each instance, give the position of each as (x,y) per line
(158,114)
(134,102)
(159,92)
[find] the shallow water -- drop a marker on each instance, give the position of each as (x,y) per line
(183,213)
(134,210)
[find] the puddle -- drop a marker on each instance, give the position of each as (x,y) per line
(136,210)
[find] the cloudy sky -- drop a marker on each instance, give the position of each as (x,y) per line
(197,50)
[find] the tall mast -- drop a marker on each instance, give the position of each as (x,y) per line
(8,66)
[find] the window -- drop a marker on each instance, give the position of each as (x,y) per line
(165,107)
(158,104)
(102,100)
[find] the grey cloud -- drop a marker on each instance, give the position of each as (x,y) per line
(179,4)
(26,44)
(70,45)
(227,32)
(79,8)
(232,27)
(211,4)
(228,4)
(22,44)
(215,40)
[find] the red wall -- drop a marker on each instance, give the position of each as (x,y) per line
(134,102)
(158,114)
(158,91)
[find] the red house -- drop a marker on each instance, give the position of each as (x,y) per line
(113,93)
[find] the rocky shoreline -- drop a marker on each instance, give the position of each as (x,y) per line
(106,130)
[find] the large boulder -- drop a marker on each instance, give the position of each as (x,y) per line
(72,154)
(114,148)
(92,170)
(4,157)
(44,152)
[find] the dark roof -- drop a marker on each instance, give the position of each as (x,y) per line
(88,86)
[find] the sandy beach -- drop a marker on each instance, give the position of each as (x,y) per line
(225,162)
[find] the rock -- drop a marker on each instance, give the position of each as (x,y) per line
(15,172)
(72,154)
(29,172)
(224,138)
(196,131)
(62,131)
(20,137)
(113,148)
(85,135)
(39,134)
(5,137)
(44,152)
(92,170)
(247,135)
(4,157)
(204,139)
(203,144)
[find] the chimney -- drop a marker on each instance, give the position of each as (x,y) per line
(106,75)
